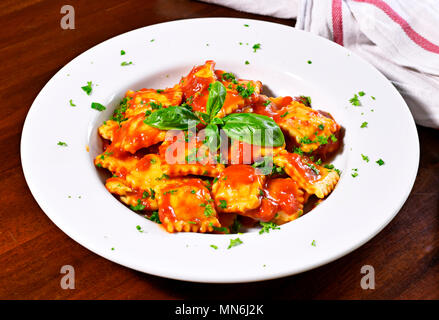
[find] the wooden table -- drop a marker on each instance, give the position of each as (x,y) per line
(32,249)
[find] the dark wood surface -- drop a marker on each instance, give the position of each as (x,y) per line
(32,249)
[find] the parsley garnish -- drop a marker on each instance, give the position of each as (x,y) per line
(247,62)
(256,46)
(246,25)
(214,246)
(361,93)
(123,64)
(234,243)
(313,243)
(118,113)
(71,103)
(159,90)
(284,115)
(163,176)
(365,158)
(223,204)
(155,217)
(267,226)
(364,125)
(305,140)
(97,106)
(122,52)
(138,207)
(309,62)
(355,101)
(245,92)
(313,168)
(355,173)
(63,144)
(87,88)
(322,140)
(380,162)
(139,228)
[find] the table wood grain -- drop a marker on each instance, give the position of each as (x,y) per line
(32,249)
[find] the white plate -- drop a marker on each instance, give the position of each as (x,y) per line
(68,188)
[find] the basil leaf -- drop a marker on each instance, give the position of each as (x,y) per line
(212,138)
(170,118)
(204,117)
(253,129)
(217,96)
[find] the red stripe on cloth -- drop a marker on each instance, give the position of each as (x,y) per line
(337,21)
(412,34)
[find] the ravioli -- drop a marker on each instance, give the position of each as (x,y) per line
(150,99)
(184,154)
(311,177)
(186,205)
(134,135)
(238,189)
(282,202)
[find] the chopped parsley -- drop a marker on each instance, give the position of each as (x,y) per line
(163,176)
(139,228)
(97,106)
(284,115)
(305,140)
(365,158)
(223,204)
(247,62)
(71,103)
(155,106)
(267,226)
(313,168)
(219,229)
(214,246)
(234,228)
(309,62)
(122,52)
(321,126)
(267,103)
(124,63)
(227,76)
(152,193)
(208,210)
(159,90)
(364,125)
(361,93)
(322,140)
(145,194)
(118,114)
(313,243)
(155,217)
(63,144)
(234,243)
(170,192)
(88,88)
(354,173)
(246,25)
(139,206)
(373,98)
(355,101)
(256,47)
(380,162)
(333,138)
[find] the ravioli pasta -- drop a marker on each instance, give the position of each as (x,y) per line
(224,178)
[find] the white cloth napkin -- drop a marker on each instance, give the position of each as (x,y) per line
(399,37)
